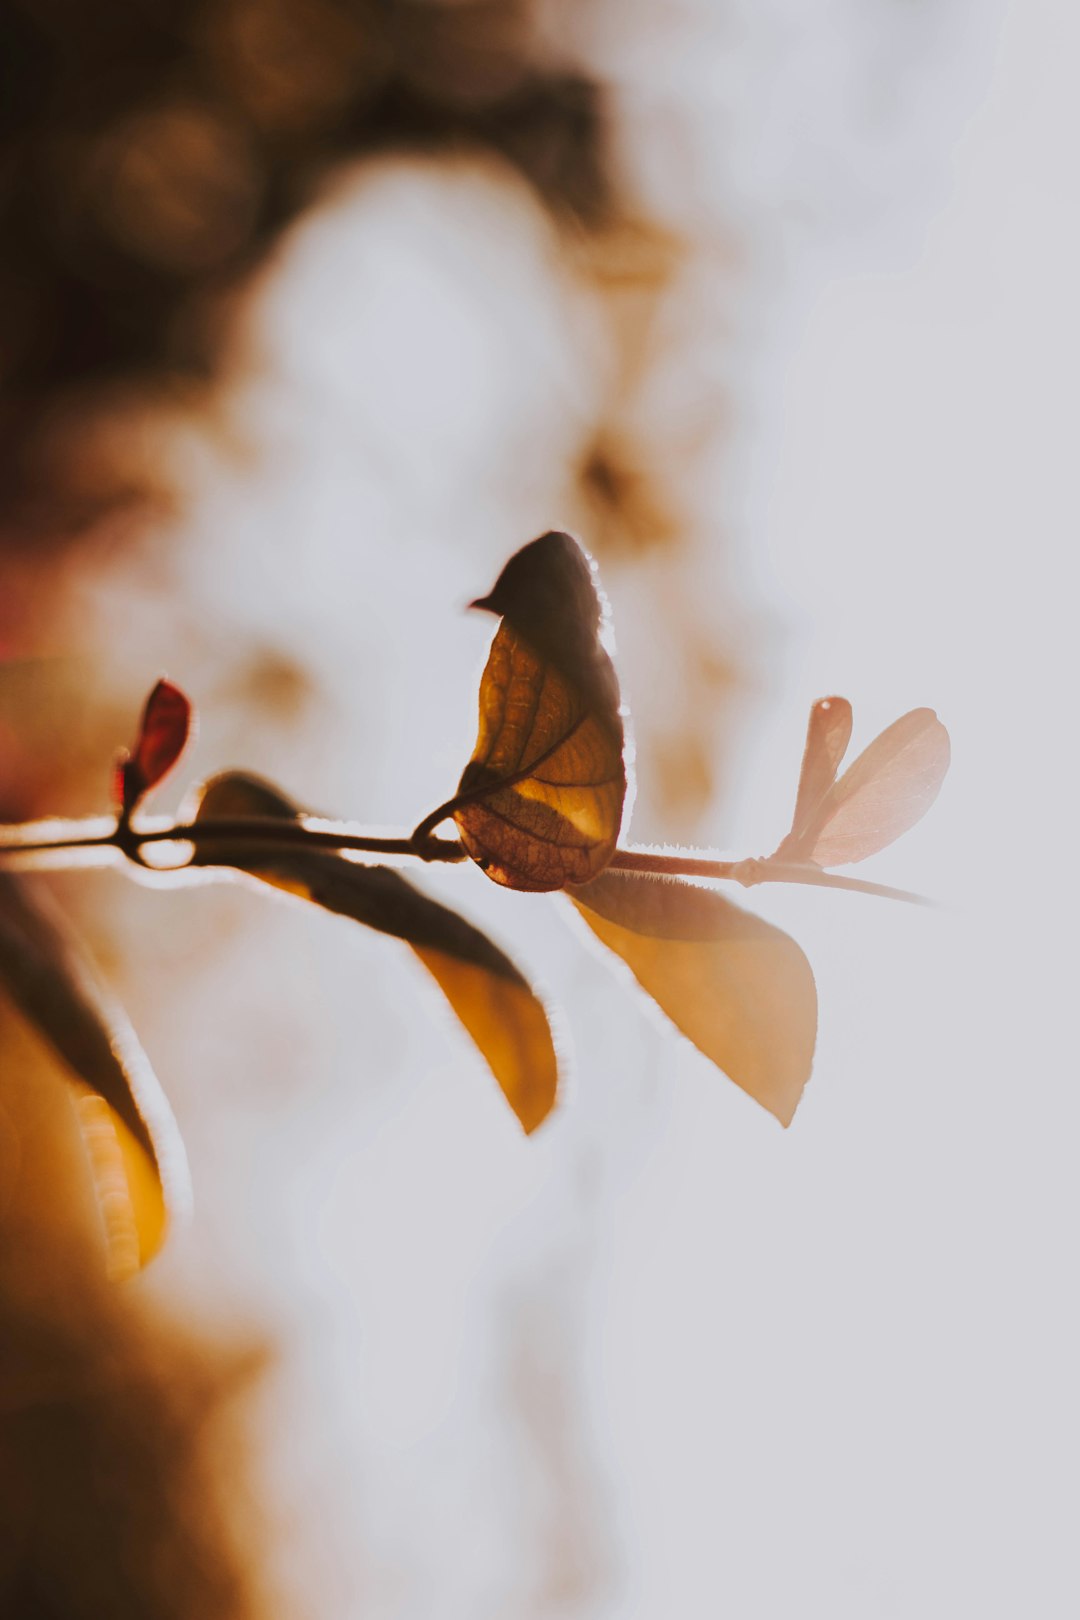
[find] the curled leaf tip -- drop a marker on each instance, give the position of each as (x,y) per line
(540,803)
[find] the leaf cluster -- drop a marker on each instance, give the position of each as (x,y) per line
(539,808)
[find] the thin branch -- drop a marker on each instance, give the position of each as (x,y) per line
(58,837)
(750,872)
(266,831)
(645,862)
(77,838)
(783,872)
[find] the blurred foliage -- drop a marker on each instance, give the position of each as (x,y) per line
(151,152)
(118,1453)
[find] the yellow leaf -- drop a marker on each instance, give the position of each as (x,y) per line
(741,990)
(129,1193)
(136,1156)
(504,1017)
(509,1026)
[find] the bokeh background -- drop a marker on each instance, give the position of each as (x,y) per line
(311,313)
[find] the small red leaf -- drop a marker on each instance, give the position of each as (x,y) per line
(163,732)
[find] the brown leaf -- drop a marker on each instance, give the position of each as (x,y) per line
(491,998)
(739,988)
(136,1155)
(540,803)
(885,792)
(163,733)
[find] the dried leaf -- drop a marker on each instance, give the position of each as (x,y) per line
(486,991)
(540,803)
(886,791)
(135,1152)
(163,733)
(739,988)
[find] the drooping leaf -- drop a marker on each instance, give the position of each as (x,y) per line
(540,802)
(739,988)
(136,1156)
(885,792)
(163,733)
(491,998)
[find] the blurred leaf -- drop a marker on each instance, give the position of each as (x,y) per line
(135,1152)
(163,732)
(739,988)
(486,991)
(889,788)
(540,803)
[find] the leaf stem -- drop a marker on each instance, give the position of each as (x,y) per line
(645,862)
(751,871)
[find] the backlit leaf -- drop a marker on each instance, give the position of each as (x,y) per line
(540,803)
(886,791)
(135,1152)
(827,736)
(163,732)
(491,998)
(739,988)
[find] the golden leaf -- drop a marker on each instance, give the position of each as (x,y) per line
(136,1156)
(540,802)
(741,990)
(493,1001)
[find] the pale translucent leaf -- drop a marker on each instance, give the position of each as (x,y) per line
(827,736)
(886,791)
(739,988)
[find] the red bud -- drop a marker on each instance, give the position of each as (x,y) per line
(163,731)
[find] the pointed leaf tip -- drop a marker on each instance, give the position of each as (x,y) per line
(540,803)
(494,1003)
(740,989)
